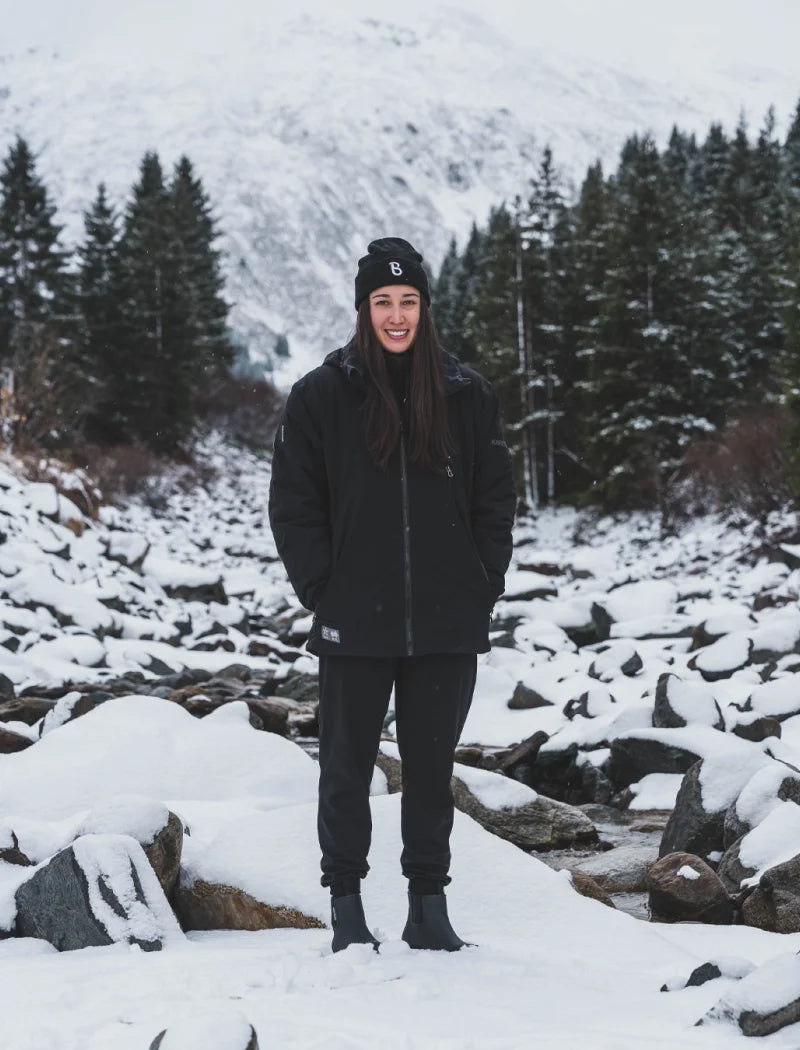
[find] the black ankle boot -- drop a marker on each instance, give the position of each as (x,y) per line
(428,925)
(349,924)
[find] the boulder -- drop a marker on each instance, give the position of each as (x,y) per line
(594,702)
(539,824)
(722,658)
(620,870)
(634,757)
(270,714)
(766,1022)
(525,698)
(100,890)
(205,905)
(619,659)
(690,828)
(716,627)
(301,687)
(6,691)
(158,831)
(222,1030)
(765,1001)
(164,852)
(769,786)
(27,709)
(679,703)
(778,698)
(557,773)
(11,742)
(732,872)
(520,758)
(542,824)
(683,888)
(587,887)
(10,851)
(71,705)
(758,729)
(775,903)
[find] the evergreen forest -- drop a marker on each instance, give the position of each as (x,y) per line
(643,333)
(120,343)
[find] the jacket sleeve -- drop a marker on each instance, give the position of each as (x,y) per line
(298,500)
(493,496)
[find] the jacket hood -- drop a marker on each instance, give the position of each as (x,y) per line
(347,359)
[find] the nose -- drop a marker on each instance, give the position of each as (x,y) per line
(396,312)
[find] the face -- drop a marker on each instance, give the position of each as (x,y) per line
(394,312)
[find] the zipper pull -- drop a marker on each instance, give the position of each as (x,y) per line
(449,471)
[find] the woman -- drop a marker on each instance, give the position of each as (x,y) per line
(391,503)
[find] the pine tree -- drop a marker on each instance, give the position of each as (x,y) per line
(466,289)
(550,295)
(99,343)
(490,320)
(34,285)
(448,309)
(638,416)
(37,324)
(199,275)
(142,398)
(591,253)
(791,152)
(790,289)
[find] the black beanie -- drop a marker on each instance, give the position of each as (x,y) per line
(390,260)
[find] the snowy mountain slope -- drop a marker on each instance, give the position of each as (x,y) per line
(315,132)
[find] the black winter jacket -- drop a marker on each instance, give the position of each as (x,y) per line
(402,562)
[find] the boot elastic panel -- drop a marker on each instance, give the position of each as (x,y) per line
(349,924)
(428,925)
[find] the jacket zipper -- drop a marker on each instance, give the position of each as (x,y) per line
(406,540)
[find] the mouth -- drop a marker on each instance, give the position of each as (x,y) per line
(398,334)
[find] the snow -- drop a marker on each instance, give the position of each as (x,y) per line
(693,701)
(111,860)
(686,871)
(248,798)
(131,742)
(216,1030)
(728,762)
(644,598)
(169,572)
(728,653)
(777,698)
(492,790)
(141,818)
(656,791)
(775,840)
(760,794)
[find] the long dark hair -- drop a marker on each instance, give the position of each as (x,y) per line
(430,441)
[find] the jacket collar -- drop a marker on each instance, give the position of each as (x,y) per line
(346,359)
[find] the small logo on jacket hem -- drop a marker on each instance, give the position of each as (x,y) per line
(330,634)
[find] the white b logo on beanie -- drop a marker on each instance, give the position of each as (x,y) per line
(396,269)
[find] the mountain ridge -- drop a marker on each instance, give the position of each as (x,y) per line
(324,131)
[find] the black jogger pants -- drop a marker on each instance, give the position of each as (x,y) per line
(432,698)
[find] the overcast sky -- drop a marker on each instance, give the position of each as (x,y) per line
(673,39)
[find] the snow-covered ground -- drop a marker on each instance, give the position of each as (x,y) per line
(86,600)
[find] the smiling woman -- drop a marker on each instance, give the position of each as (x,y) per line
(394,313)
(391,503)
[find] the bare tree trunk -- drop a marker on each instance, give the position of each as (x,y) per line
(531,484)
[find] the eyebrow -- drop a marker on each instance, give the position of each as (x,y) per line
(405,295)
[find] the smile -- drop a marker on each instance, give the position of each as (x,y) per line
(396,334)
